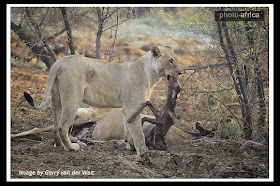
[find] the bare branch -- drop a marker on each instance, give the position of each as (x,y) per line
(38,31)
(35,47)
(114,43)
(44,17)
(56,34)
(207,66)
(68,29)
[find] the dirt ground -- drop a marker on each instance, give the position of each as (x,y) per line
(204,158)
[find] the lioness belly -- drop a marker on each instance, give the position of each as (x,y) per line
(98,98)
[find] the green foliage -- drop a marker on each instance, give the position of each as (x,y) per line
(198,24)
(162,12)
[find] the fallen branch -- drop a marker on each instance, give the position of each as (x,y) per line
(32,132)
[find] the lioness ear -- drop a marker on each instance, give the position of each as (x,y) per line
(169,47)
(155,51)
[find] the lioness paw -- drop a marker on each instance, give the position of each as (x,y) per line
(73,147)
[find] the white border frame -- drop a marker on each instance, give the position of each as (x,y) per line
(271,90)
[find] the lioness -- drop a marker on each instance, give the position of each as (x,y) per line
(73,79)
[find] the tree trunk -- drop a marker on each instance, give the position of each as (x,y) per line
(258,81)
(36,48)
(99,33)
(114,42)
(246,114)
(239,81)
(68,29)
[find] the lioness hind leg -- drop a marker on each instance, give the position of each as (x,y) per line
(56,105)
(67,119)
(71,93)
(70,100)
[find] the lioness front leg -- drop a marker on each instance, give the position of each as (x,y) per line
(136,132)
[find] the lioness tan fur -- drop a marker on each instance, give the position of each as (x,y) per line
(126,85)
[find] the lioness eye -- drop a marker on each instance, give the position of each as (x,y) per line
(171,61)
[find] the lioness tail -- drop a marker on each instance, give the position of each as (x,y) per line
(29,99)
(51,78)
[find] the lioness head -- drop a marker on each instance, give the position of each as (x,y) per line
(166,62)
